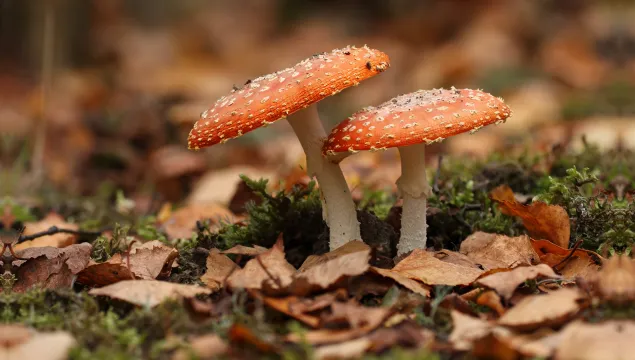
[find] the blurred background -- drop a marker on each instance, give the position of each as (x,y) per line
(95,91)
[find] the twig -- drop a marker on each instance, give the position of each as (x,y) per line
(55,230)
(573,249)
(274,278)
(128,259)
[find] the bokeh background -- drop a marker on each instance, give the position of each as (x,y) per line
(95,91)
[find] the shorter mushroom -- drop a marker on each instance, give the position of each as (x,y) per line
(410,122)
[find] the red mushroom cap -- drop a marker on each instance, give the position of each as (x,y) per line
(422,116)
(272,97)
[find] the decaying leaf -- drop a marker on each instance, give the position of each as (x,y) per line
(467,329)
(606,340)
(502,343)
(182,222)
(240,334)
(494,251)
(323,271)
(245,250)
(50,267)
(542,221)
(219,267)
(59,240)
(488,298)
(506,282)
(410,284)
(349,321)
(423,266)
(582,263)
(18,342)
(148,293)
(546,310)
(270,266)
(616,281)
(149,261)
(285,306)
(207,346)
(345,350)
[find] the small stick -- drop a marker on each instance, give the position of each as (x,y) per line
(275,279)
(55,230)
(573,249)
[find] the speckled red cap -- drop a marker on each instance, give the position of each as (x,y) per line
(424,116)
(272,97)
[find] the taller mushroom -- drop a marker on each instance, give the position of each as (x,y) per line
(275,96)
(410,122)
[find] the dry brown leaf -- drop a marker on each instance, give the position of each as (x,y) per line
(360,319)
(148,293)
(456,258)
(502,343)
(616,281)
(487,298)
(344,350)
(423,266)
(182,222)
(548,310)
(320,272)
(245,250)
(207,346)
(506,282)
(277,271)
(406,334)
(583,263)
(50,267)
(219,267)
(542,221)
(408,283)
(494,251)
(466,330)
(57,240)
(285,305)
(241,334)
(607,340)
(149,261)
(18,342)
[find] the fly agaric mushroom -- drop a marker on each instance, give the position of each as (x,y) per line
(410,122)
(272,97)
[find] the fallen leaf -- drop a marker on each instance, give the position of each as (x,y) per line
(285,306)
(219,267)
(506,282)
(546,310)
(344,350)
(203,347)
(606,340)
(616,281)
(583,263)
(406,334)
(466,330)
(542,221)
(320,272)
(50,267)
(488,298)
(182,222)
(18,342)
(239,333)
(270,266)
(456,258)
(360,319)
(494,251)
(148,262)
(245,250)
(148,293)
(408,283)
(59,240)
(423,266)
(502,343)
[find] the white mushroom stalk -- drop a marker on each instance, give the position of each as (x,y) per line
(338,206)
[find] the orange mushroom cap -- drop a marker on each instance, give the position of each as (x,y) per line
(272,97)
(424,116)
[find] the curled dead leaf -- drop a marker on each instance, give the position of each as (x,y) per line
(582,263)
(493,251)
(506,282)
(148,293)
(542,221)
(410,284)
(149,261)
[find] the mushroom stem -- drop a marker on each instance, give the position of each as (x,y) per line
(414,189)
(337,202)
